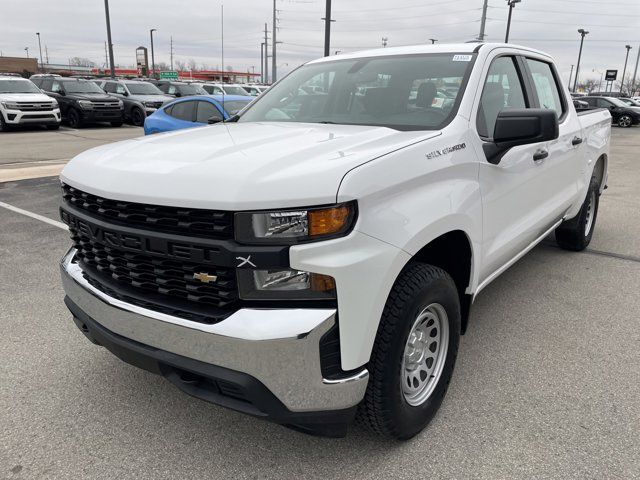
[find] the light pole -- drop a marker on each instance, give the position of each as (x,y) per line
(635,73)
(112,66)
(385,40)
(570,76)
(26,49)
(40,47)
(512,4)
(153,60)
(583,33)
(624,70)
(262,63)
(327,28)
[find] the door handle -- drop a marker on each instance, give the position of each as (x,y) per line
(576,141)
(540,155)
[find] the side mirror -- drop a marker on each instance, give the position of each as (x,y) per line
(61,92)
(125,93)
(213,120)
(515,127)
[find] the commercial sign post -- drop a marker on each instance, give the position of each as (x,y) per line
(610,77)
(169,75)
(142,61)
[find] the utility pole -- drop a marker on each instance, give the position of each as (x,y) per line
(262,63)
(222,42)
(40,47)
(266,54)
(327,28)
(171,51)
(583,33)
(624,70)
(433,40)
(635,73)
(570,75)
(46,54)
(385,40)
(512,4)
(26,49)
(106,57)
(153,60)
(111,62)
(483,21)
(274,67)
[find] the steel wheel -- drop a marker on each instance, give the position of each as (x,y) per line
(591,212)
(624,121)
(424,354)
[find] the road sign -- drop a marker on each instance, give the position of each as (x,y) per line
(169,75)
(611,75)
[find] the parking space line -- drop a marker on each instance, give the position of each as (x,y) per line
(34,215)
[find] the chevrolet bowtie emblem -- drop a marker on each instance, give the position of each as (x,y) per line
(204,277)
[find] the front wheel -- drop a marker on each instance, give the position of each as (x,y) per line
(625,121)
(575,234)
(414,353)
(74,119)
(137,117)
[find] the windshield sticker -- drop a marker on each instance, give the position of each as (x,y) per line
(462,58)
(445,151)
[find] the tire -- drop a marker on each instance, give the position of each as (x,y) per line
(53,127)
(3,125)
(625,121)
(116,124)
(392,406)
(575,234)
(73,118)
(137,117)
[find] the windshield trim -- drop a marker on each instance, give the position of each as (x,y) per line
(403,128)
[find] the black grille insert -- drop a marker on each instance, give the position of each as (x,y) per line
(186,221)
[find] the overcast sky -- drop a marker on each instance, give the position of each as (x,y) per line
(77,28)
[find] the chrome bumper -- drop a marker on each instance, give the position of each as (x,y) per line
(278,347)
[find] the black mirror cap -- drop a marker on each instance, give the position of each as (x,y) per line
(213,120)
(515,127)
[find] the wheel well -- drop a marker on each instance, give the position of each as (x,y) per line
(452,253)
(598,170)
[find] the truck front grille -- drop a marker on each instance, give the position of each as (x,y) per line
(36,107)
(185,221)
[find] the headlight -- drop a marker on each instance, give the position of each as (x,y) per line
(288,227)
(285,284)
(11,105)
(86,104)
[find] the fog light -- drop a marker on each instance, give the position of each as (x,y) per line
(285,284)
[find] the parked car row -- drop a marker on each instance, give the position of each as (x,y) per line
(49,99)
(624,112)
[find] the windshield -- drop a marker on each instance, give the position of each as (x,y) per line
(81,87)
(143,88)
(617,102)
(408,92)
(18,86)
(192,90)
(231,90)
(234,106)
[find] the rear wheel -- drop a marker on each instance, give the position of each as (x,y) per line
(625,121)
(575,234)
(137,117)
(73,118)
(414,353)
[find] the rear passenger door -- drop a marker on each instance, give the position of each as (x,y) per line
(183,115)
(207,111)
(518,203)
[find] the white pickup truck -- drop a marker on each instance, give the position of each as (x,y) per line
(314,259)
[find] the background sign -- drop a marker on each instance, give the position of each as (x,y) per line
(169,75)
(611,75)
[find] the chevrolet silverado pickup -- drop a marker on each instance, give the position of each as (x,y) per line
(313,260)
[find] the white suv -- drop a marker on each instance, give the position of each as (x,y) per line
(21,103)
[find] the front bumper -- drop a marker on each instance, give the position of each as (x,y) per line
(98,115)
(32,117)
(277,349)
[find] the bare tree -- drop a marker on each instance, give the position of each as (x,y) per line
(180,64)
(162,66)
(81,62)
(192,64)
(589,85)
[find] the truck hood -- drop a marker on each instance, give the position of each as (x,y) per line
(96,97)
(25,97)
(150,98)
(235,166)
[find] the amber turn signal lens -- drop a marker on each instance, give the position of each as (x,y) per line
(329,220)
(322,283)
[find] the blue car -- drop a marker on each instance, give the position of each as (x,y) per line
(189,112)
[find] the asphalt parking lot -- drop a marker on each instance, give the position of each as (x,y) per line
(547,383)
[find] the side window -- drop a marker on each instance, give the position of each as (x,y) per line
(37,82)
(502,89)
(110,87)
(603,103)
(546,86)
(120,89)
(206,111)
(172,90)
(183,111)
(57,87)
(217,91)
(46,85)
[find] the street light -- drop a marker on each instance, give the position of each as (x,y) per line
(153,60)
(40,47)
(512,4)
(624,70)
(26,49)
(583,33)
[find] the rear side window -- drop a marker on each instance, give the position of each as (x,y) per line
(546,86)
(110,87)
(57,87)
(46,85)
(206,111)
(502,89)
(183,111)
